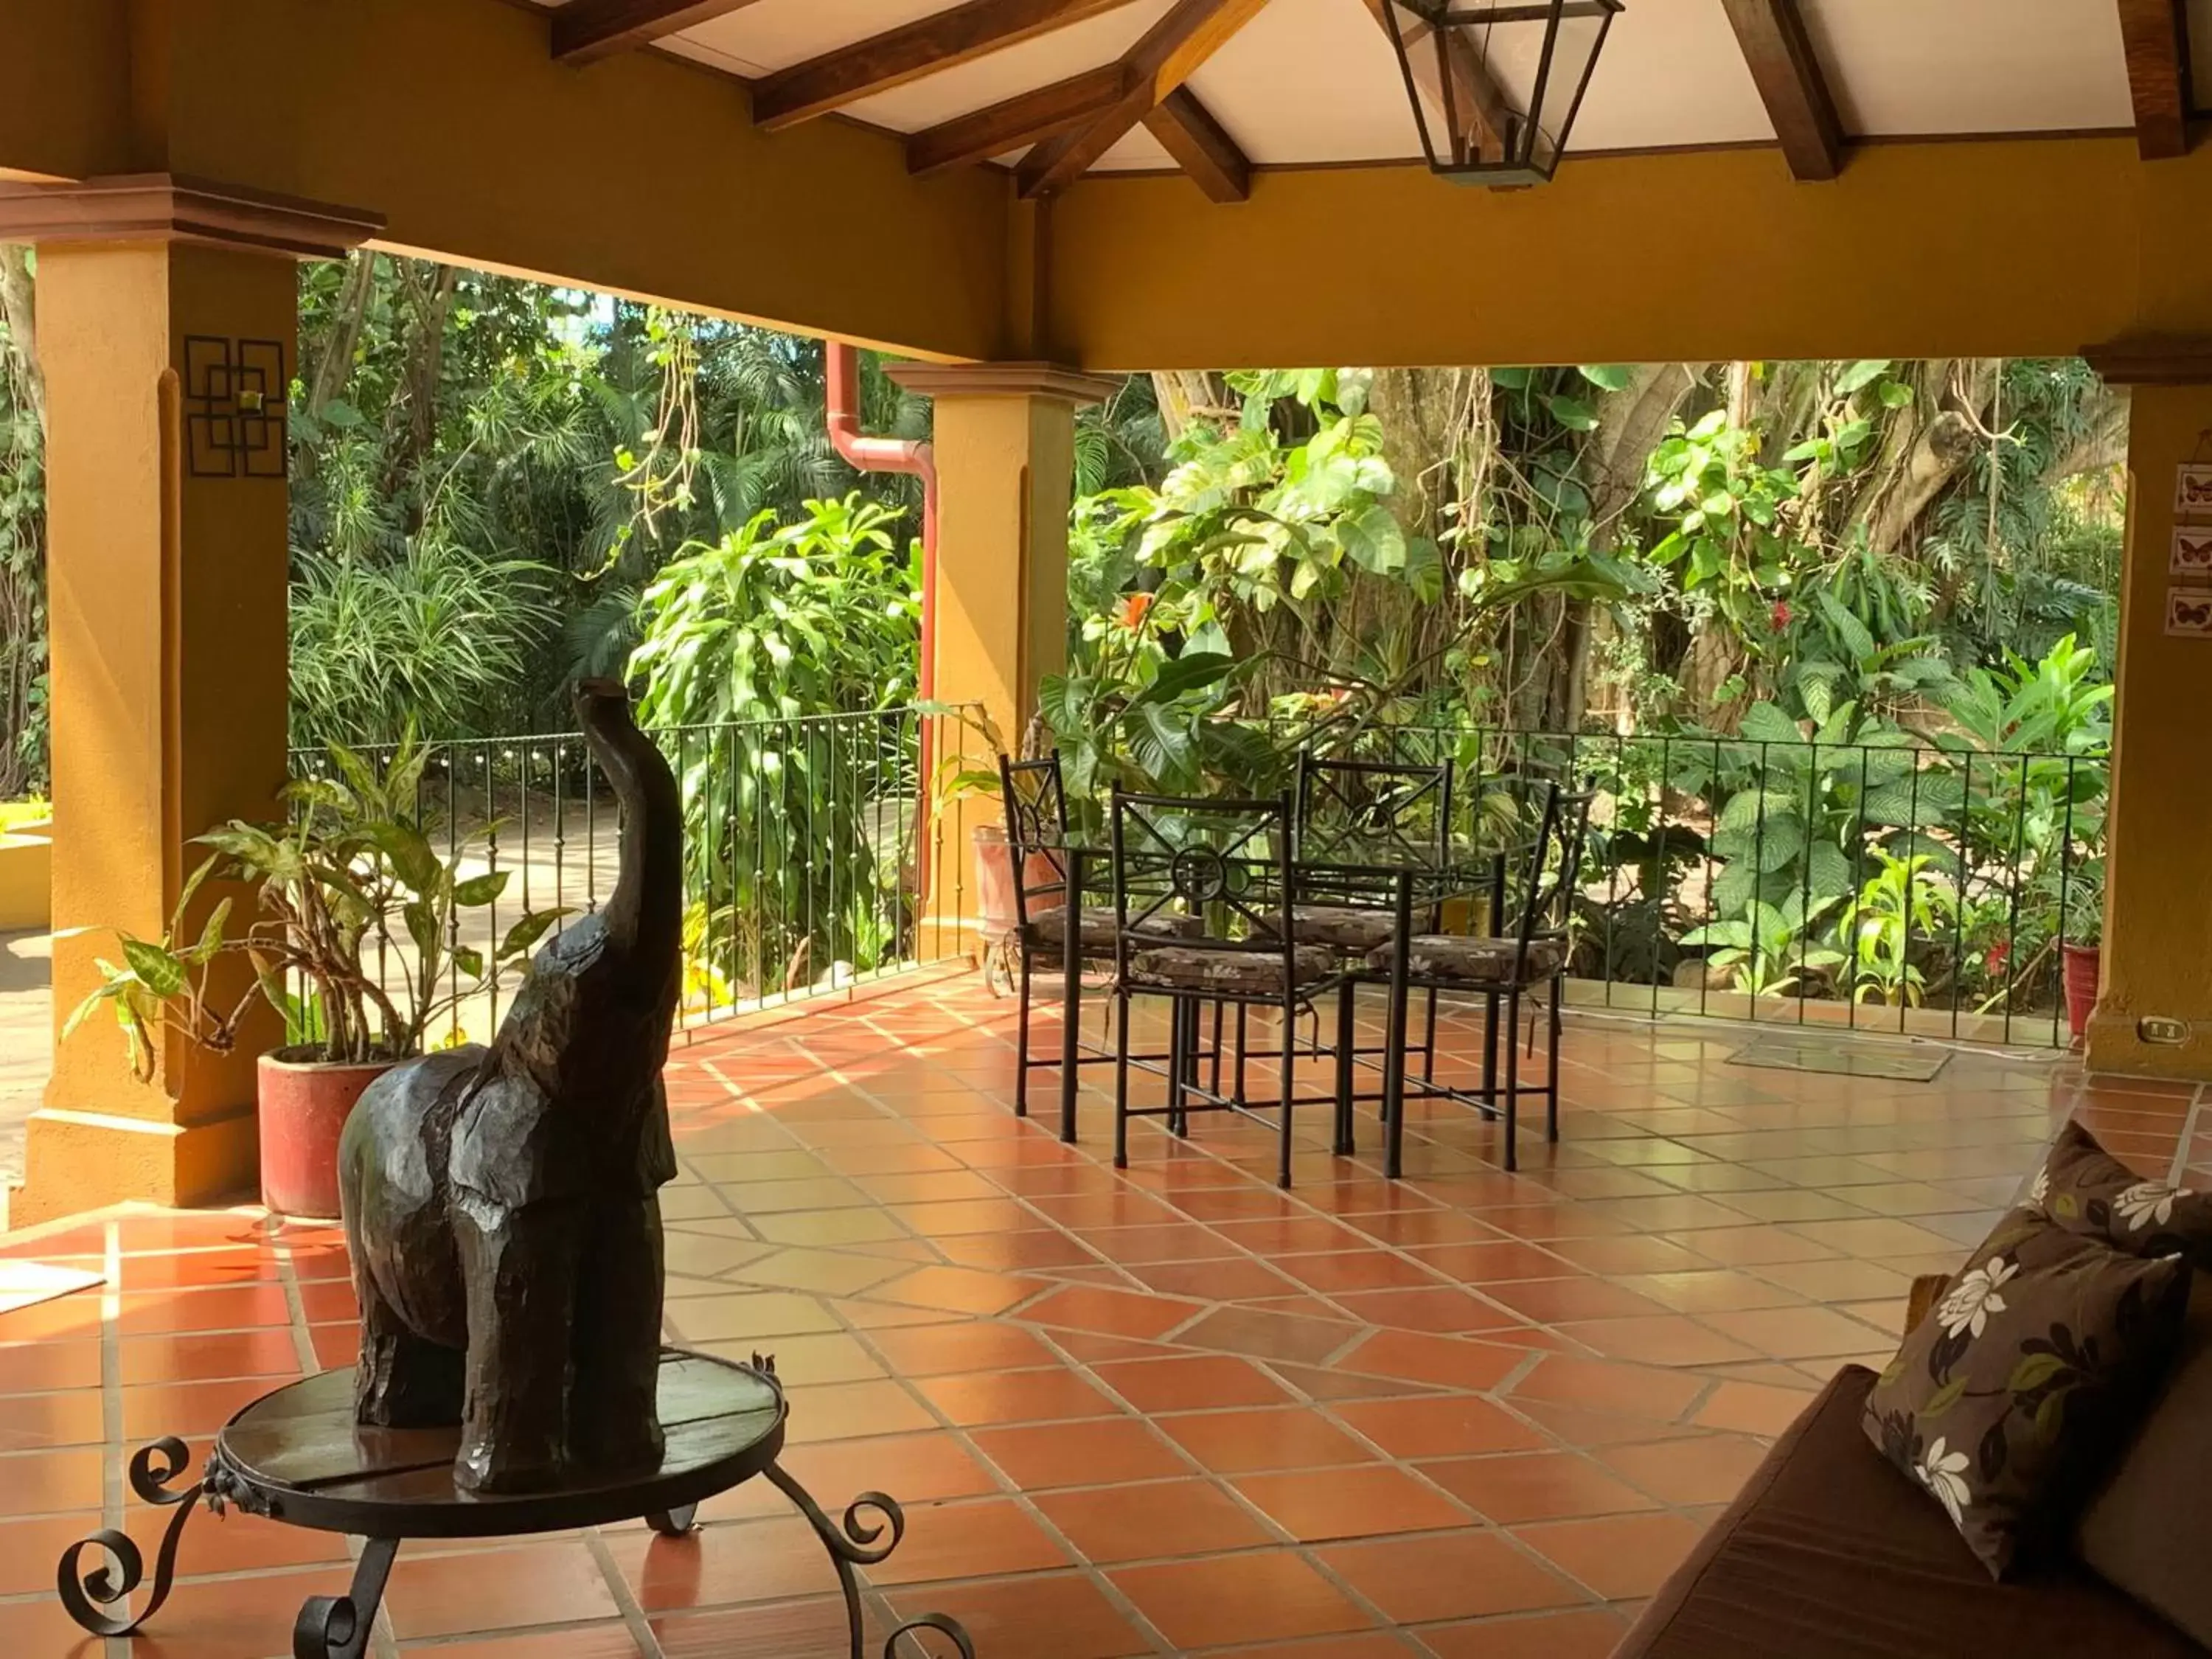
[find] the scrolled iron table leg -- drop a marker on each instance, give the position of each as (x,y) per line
(152,1468)
(339,1626)
(854,1544)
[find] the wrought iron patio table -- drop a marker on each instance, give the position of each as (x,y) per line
(1478,875)
(297,1457)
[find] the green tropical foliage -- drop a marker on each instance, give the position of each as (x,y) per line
(765,657)
(352,879)
(1838,636)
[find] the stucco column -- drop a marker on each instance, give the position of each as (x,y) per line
(2157,902)
(1004,440)
(167,334)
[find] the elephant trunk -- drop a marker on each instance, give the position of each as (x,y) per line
(644,916)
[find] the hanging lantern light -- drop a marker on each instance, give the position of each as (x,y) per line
(1495,87)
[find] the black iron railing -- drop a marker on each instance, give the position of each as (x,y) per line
(1873,885)
(813,862)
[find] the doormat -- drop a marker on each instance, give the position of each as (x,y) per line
(1793,1053)
(27,1284)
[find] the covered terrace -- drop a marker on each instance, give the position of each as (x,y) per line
(1465,1414)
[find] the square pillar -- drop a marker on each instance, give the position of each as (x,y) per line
(168,335)
(1003,441)
(2157,940)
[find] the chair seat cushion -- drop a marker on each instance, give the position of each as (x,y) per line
(1049,928)
(1345,927)
(1228,969)
(1472,961)
(1828,1552)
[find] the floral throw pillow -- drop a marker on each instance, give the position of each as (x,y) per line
(2085,1190)
(2010,1399)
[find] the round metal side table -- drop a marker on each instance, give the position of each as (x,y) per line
(296,1455)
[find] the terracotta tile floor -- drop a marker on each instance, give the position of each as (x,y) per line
(1473,1416)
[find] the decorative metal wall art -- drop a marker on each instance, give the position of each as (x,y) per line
(235,401)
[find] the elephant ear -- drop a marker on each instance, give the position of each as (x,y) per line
(656,1150)
(500,1145)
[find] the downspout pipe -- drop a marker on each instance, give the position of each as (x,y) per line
(914,457)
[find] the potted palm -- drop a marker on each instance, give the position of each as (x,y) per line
(354,940)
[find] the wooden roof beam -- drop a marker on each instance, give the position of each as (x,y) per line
(1779,52)
(1200,145)
(1027,119)
(585,31)
(925,46)
(1167,55)
(2156,34)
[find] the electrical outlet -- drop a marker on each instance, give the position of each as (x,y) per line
(2166,1031)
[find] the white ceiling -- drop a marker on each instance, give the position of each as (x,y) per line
(1311,81)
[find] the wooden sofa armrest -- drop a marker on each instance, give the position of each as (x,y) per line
(1927,1291)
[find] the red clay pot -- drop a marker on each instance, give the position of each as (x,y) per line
(994,881)
(2083,964)
(304,1103)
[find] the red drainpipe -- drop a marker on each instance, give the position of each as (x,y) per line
(912,457)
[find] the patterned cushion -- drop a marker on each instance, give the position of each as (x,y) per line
(2086,1190)
(1254,973)
(2008,1401)
(1345,927)
(1049,928)
(1470,961)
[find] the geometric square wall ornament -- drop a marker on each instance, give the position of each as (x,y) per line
(236,394)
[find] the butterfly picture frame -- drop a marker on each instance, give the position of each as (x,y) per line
(2189,615)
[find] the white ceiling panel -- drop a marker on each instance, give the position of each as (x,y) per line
(1909,67)
(1134,152)
(1672,73)
(773,35)
(1311,80)
(1033,64)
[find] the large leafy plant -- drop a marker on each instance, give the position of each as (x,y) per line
(356,938)
(771,659)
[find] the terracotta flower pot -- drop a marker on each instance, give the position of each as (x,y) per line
(304,1103)
(994,880)
(2083,965)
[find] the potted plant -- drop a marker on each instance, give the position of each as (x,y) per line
(957,777)
(2080,949)
(350,884)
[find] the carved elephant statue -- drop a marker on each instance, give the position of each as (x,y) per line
(501,1203)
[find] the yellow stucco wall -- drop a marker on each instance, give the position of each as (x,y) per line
(64,86)
(2158,927)
(2012,248)
(642,175)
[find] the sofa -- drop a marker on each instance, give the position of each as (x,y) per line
(1829,1553)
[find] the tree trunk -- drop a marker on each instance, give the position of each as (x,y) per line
(335,367)
(19,313)
(1187,394)
(1631,423)
(23,533)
